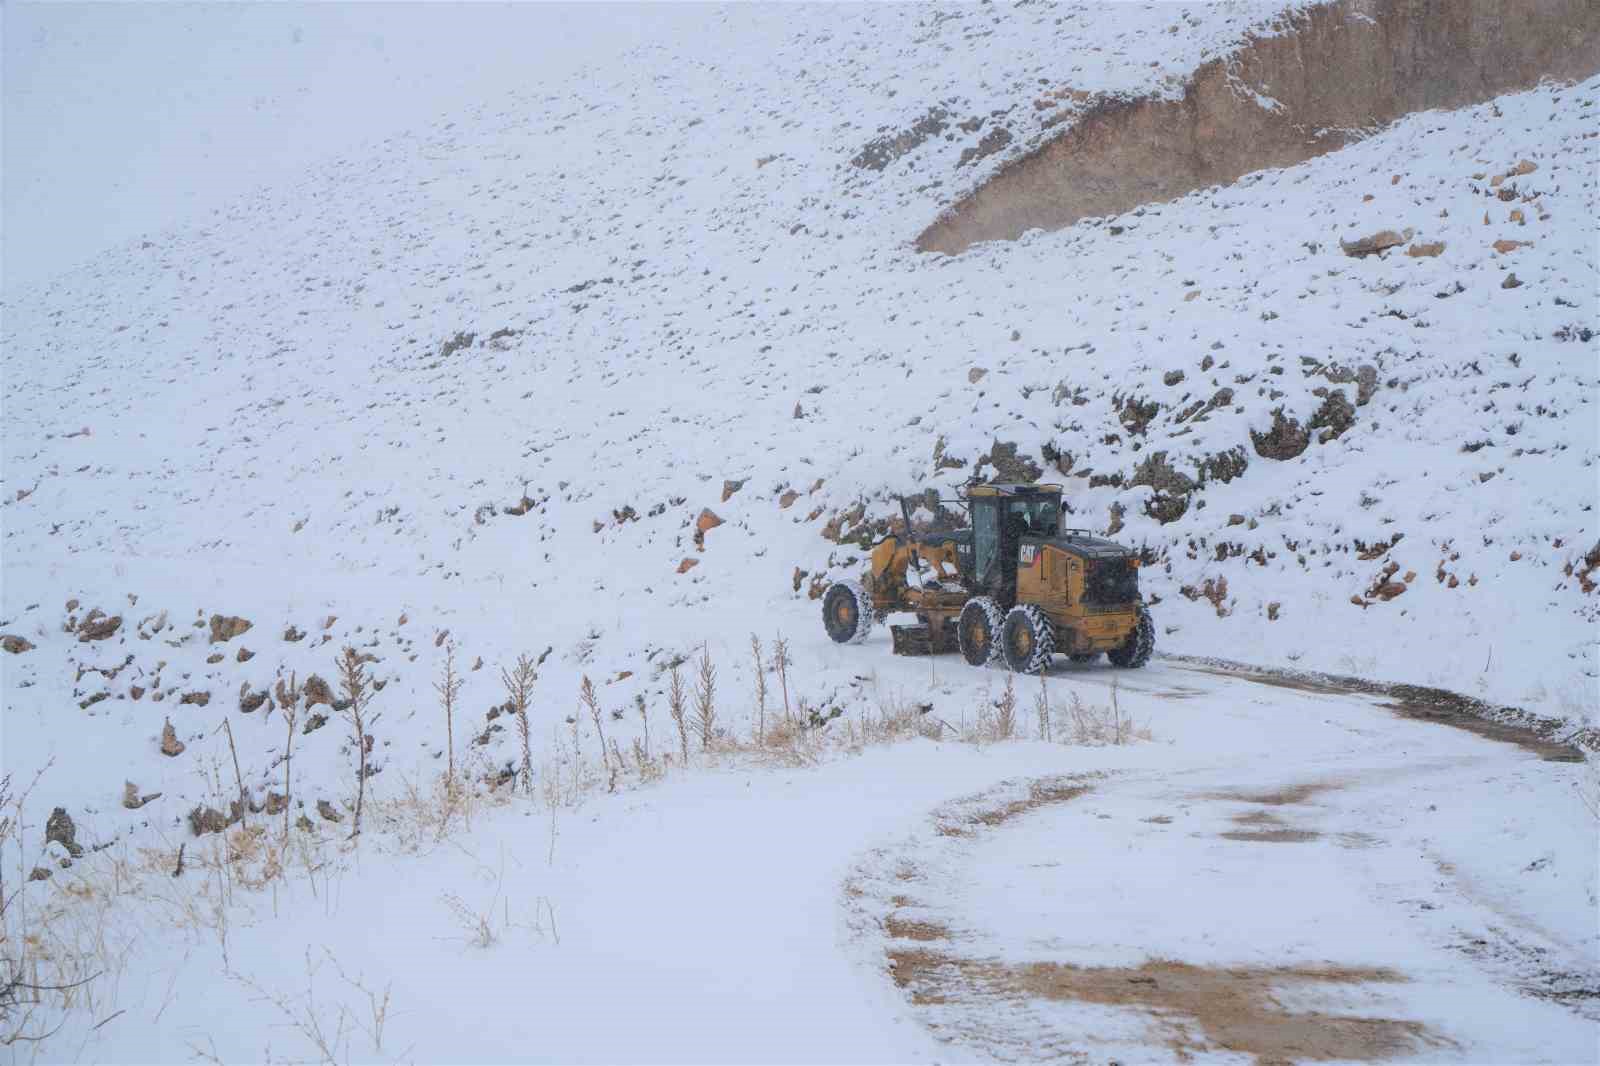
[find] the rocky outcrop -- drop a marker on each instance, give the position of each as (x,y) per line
(1328,72)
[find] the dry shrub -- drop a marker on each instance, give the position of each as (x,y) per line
(1096,724)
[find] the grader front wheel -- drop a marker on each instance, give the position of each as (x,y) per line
(978,631)
(847,613)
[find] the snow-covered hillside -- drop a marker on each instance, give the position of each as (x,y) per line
(483,381)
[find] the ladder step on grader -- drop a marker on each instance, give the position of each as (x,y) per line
(1013,586)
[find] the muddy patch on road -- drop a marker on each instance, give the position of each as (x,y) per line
(1272,836)
(1548,738)
(1461,712)
(1198,1009)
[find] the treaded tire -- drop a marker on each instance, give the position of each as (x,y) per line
(978,631)
(1136,650)
(1028,639)
(847,612)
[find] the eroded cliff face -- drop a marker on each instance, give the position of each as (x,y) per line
(1334,73)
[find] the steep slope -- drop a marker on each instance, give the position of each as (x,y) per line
(486,379)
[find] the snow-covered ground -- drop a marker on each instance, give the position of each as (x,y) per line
(480,380)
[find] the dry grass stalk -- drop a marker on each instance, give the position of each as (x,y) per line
(449,688)
(591,703)
(288,699)
(705,698)
(356,685)
(761,689)
(1005,712)
(1041,709)
(677,700)
(644,721)
(781,663)
(519,681)
(238,778)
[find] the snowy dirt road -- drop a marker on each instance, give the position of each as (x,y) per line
(1327,881)
(1269,874)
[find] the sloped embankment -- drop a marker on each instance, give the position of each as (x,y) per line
(1331,75)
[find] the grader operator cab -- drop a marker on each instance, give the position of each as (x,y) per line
(1013,586)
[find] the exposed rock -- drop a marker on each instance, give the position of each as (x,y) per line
(1511,282)
(1172,377)
(39,873)
(14,644)
(1285,440)
(198,699)
(688,564)
(976,374)
(225,627)
(1156,472)
(1272,610)
(1505,247)
(731,487)
(708,520)
(1115,525)
(1136,415)
(98,627)
(293,635)
(1008,465)
(276,802)
(59,829)
(314,723)
(787,499)
(1420,249)
(455,344)
(799,576)
(250,702)
(136,692)
(171,746)
(317,691)
(131,798)
(1222,466)
(1381,241)
(1366,383)
(1335,416)
(327,812)
(214,658)
(881,151)
(941,461)
(244,655)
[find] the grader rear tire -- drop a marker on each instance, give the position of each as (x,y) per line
(1136,650)
(1028,639)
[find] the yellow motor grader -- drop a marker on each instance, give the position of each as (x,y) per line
(1013,586)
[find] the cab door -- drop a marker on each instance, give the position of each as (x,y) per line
(985,540)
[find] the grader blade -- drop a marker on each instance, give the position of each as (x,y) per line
(912,640)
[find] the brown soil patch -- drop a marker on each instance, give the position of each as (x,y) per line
(908,929)
(1040,794)
(1272,836)
(964,817)
(1277,797)
(1200,1010)
(1331,70)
